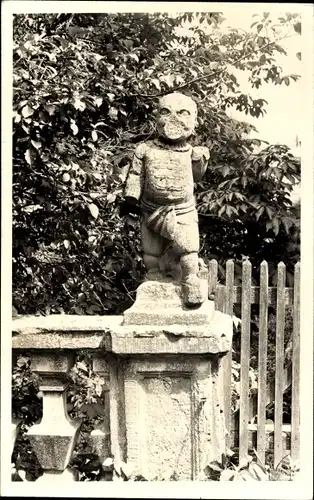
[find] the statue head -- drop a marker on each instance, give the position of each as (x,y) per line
(176,117)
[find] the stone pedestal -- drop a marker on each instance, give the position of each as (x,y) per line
(53,438)
(173,390)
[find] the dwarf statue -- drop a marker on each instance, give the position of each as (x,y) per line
(162,178)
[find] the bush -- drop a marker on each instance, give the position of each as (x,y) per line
(85,86)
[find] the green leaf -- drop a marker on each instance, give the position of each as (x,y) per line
(221,210)
(36,144)
(113,113)
(229,210)
(50,108)
(98,101)
(111,197)
(28,156)
(156,83)
(78,104)
(93,210)
(225,170)
(134,56)
(74,127)
(270,212)
(66,177)
(275,224)
(287,223)
(27,111)
(259,212)
(111,96)
(17,117)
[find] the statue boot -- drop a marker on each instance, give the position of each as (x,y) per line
(193,291)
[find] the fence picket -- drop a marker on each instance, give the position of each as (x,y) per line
(272,295)
(212,276)
(245,359)
(227,360)
(262,363)
(225,297)
(295,414)
(279,367)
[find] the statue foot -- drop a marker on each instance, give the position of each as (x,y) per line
(193,292)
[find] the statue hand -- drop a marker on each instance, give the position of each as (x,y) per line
(200,153)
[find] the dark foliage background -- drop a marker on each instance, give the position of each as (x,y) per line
(85,86)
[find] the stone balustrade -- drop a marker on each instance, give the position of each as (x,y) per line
(163,386)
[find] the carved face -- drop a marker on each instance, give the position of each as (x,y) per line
(176,118)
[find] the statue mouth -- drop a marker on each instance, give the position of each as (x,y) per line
(176,131)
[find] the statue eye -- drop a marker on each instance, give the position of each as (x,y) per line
(184,112)
(164,111)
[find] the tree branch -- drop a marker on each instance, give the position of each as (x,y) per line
(214,73)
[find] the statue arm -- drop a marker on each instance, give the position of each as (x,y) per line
(200,157)
(135,178)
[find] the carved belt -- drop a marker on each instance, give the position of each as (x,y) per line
(163,220)
(180,208)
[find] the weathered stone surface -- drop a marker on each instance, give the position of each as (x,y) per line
(174,421)
(117,410)
(167,408)
(64,323)
(53,438)
(165,386)
(161,303)
(62,331)
(162,178)
(100,365)
(167,343)
(52,451)
(51,364)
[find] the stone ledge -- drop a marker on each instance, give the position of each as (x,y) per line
(162,345)
(64,322)
(218,325)
(62,331)
(109,335)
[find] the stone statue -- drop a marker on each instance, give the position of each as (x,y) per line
(162,179)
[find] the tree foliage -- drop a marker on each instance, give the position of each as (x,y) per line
(85,86)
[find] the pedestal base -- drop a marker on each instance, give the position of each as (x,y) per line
(160,302)
(173,385)
(174,419)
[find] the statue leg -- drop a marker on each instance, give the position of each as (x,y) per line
(153,246)
(189,265)
(187,246)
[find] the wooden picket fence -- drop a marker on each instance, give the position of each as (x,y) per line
(280,297)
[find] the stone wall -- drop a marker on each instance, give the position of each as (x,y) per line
(164,384)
